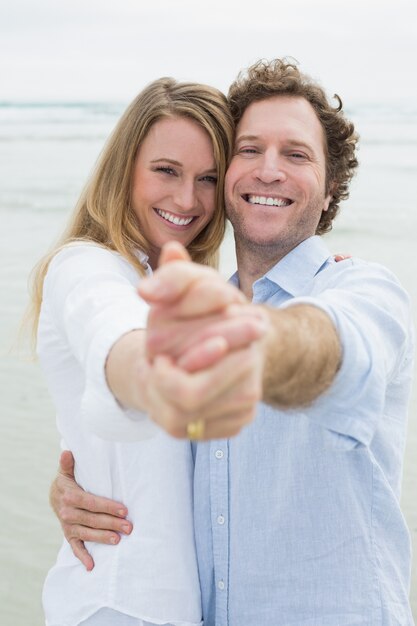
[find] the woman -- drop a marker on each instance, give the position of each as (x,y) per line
(160,177)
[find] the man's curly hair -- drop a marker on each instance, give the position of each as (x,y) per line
(280,77)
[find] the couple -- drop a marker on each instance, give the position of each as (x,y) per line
(296,519)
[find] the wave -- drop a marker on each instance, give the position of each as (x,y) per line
(51,138)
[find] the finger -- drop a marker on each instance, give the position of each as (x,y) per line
(238,401)
(83,533)
(173,251)
(237,333)
(190,393)
(208,385)
(170,336)
(177,397)
(204,297)
(81,499)
(172,281)
(204,355)
(66,463)
(74,516)
(341,257)
(82,554)
(228,426)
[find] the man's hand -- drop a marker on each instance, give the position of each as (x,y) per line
(224,396)
(83,516)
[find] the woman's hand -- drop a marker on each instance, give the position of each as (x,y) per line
(341,257)
(83,516)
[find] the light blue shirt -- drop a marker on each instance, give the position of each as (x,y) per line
(297,518)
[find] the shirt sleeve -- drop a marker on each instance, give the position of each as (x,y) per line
(371,313)
(93,300)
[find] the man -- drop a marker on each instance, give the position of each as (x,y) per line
(297,518)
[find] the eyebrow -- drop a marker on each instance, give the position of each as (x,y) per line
(165,160)
(174,162)
(246,138)
(290,142)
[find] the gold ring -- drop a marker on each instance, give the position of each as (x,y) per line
(195,430)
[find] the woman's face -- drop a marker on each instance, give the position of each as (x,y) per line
(174,183)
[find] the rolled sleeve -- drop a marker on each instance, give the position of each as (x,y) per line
(94,302)
(371,313)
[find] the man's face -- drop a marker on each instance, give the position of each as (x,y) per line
(275,185)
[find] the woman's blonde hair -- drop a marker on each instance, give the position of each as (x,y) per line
(104,214)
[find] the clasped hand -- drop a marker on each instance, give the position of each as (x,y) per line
(204,347)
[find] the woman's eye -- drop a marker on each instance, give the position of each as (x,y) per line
(165,169)
(210,179)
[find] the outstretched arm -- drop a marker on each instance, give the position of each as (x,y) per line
(302,354)
(300,351)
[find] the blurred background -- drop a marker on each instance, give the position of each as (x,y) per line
(67,71)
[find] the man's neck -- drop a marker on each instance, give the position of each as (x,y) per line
(254,261)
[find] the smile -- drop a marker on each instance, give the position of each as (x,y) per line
(175,219)
(267,200)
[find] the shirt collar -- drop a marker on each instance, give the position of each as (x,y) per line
(297,269)
(143,259)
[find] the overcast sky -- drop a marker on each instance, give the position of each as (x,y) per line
(102,50)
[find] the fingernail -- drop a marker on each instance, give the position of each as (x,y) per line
(126,528)
(235,309)
(262,326)
(148,285)
(214,344)
(122,512)
(152,286)
(114,540)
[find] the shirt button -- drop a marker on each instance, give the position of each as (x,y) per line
(220,520)
(220,585)
(219,454)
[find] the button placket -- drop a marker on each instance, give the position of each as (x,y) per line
(219,496)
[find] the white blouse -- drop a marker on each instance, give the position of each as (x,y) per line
(89,302)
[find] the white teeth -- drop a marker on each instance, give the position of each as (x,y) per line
(267,201)
(179,221)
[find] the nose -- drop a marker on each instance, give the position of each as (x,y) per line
(271,168)
(186,197)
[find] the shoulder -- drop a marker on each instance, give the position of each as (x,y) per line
(80,251)
(87,259)
(366,292)
(355,273)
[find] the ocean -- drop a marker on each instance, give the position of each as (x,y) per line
(46,153)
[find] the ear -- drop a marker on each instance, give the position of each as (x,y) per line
(329,197)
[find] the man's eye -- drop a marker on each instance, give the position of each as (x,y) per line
(247,150)
(298,155)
